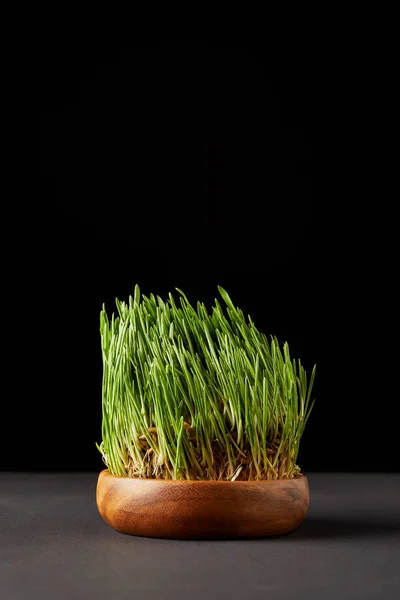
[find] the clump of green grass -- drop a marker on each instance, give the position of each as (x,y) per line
(189,394)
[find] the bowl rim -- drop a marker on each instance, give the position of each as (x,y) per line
(301,477)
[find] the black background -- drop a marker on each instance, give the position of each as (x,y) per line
(192,164)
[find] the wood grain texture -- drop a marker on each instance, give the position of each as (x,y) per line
(202,509)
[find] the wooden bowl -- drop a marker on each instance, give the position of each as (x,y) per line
(202,509)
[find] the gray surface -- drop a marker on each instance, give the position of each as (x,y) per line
(54,544)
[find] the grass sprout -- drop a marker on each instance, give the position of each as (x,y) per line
(193,394)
